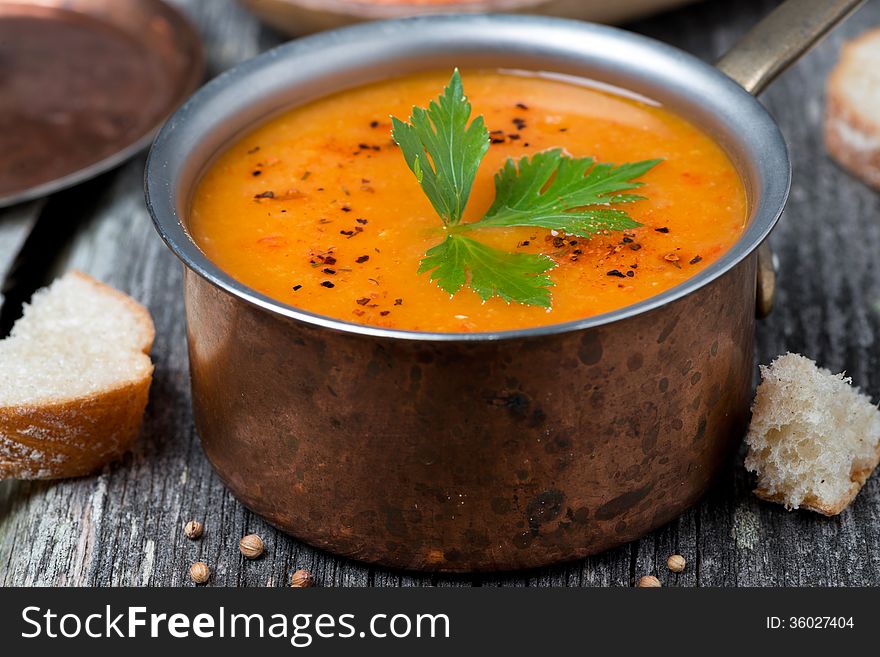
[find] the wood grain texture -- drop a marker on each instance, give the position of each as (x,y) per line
(124,527)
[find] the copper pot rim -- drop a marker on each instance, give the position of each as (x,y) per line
(770,163)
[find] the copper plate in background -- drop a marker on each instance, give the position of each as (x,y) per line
(85,84)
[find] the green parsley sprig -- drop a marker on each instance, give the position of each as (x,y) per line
(549,190)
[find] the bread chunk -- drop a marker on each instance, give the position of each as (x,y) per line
(852,113)
(74,379)
(814,438)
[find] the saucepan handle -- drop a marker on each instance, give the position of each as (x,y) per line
(762,54)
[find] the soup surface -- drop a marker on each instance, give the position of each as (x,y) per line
(317,208)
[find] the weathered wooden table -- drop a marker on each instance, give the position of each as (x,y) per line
(124,526)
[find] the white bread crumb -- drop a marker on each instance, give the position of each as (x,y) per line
(814,439)
(74,379)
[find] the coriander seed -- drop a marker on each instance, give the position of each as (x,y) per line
(302,579)
(199,572)
(251,546)
(676,563)
(194,529)
(649,582)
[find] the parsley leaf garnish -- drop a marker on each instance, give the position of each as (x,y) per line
(512,276)
(549,190)
(455,149)
(553,190)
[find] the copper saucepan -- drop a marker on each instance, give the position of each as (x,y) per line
(487,451)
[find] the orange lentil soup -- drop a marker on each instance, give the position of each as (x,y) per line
(317,207)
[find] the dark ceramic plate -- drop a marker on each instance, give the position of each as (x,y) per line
(84,85)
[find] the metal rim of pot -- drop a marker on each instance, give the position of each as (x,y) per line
(304,70)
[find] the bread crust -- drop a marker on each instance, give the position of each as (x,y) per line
(77,435)
(845,126)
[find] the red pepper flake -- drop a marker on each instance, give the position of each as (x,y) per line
(385,312)
(265,195)
(662,230)
(615,272)
(327,270)
(363,301)
(696,259)
(327,284)
(362,259)
(398,302)
(297,288)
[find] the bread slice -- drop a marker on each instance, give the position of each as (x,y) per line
(814,439)
(74,380)
(852,112)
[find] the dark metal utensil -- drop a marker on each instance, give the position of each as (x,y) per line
(84,85)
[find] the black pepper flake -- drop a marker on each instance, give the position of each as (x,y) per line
(256,172)
(385,312)
(327,284)
(265,195)
(635,246)
(522,106)
(348,233)
(374,124)
(496,132)
(558,242)
(573,243)
(615,272)
(329,260)
(696,259)
(523,243)
(398,302)
(253,150)
(361,221)
(519,123)
(513,136)
(577,252)
(306,175)
(327,270)
(297,288)
(497,140)
(627,240)
(662,230)
(346,208)
(363,301)
(526,144)
(563,129)
(362,259)
(630,273)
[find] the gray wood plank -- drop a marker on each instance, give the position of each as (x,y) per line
(124,526)
(15,226)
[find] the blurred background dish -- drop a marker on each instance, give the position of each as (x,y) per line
(296,17)
(84,85)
